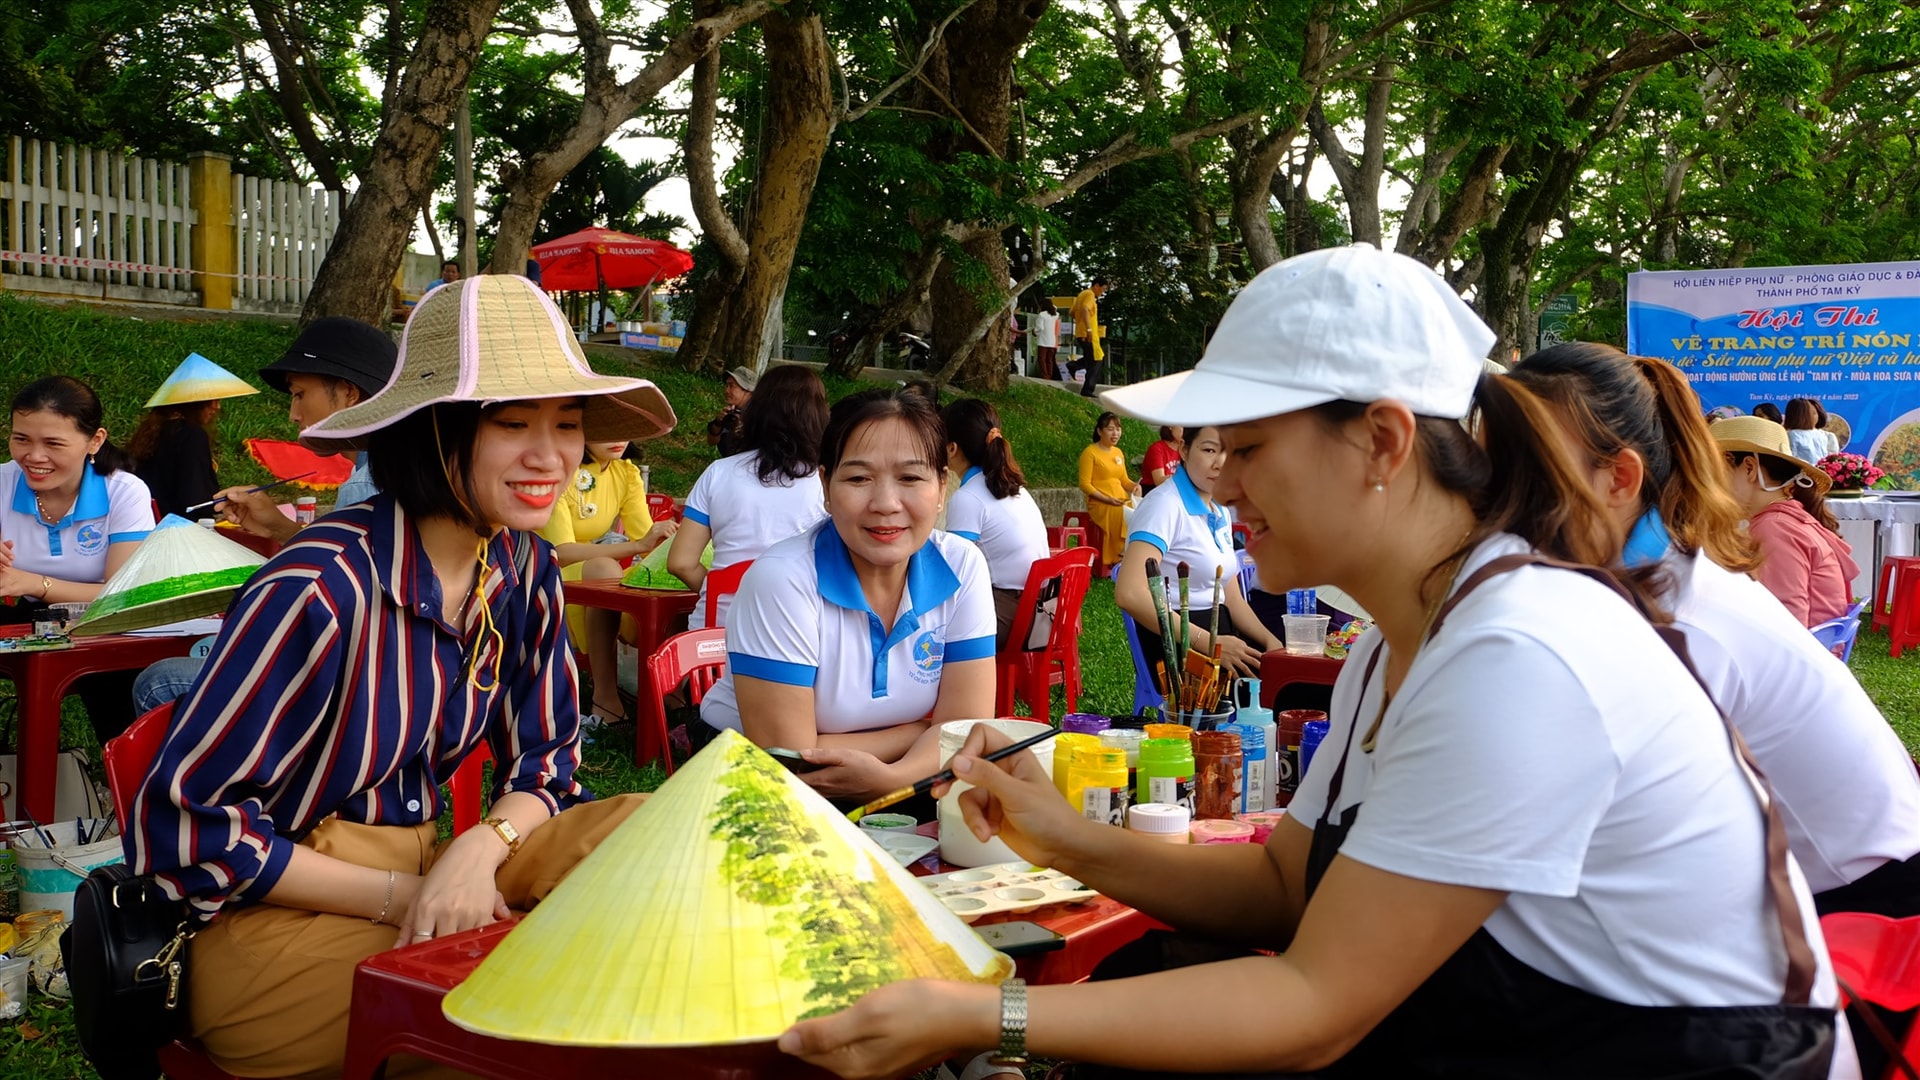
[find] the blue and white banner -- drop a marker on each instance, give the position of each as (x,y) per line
(1848,336)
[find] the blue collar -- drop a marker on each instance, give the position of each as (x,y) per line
(93,501)
(1648,543)
(1196,504)
(972,471)
(930,583)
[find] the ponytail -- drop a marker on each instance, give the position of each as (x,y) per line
(1694,501)
(974,427)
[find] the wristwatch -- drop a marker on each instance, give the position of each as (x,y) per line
(508,834)
(1013,1023)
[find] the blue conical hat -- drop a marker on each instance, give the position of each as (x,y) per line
(199,379)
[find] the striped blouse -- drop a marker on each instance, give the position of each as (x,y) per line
(336,687)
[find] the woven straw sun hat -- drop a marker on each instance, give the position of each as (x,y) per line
(493,338)
(1758,435)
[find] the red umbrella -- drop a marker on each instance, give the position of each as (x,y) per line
(594,259)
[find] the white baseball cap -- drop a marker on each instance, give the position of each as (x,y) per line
(1339,324)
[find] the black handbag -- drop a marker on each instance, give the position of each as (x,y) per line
(126,957)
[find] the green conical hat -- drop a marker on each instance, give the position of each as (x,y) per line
(180,571)
(199,379)
(734,903)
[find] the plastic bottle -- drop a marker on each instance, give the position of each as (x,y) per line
(1290,722)
(1164,822)
(1250,712)
(1311,733)
(1065,745)
(1128,742)
(1213,831)
(1166,773)
(1253,766)
(1169,731)
(1217,783)
(1097,784)
(1084,723)
(305,509)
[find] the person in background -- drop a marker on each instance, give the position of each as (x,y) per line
(71,513)
(1803,560)
(1180,522)
(723,431)
(1087,335)
(1834,441)
(601,522)
(854,641)
(1104,481)
(992,507)
(449,273)
(746,503)
(1046,344)
(1163,457)
(1808,440)
(335,363)
(172,449)
(1767,410)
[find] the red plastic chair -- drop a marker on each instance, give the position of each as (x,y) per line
(1095,537)
(1297,682)
(1058,537)
(723,582)
(1877,959)
(697,657)
(1034,671)
(661,507)
(468,788)
(1896,603)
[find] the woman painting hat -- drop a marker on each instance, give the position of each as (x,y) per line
(298,787)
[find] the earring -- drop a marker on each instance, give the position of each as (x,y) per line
(1379,484)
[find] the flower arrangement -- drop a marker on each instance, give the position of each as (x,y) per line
(1851,472)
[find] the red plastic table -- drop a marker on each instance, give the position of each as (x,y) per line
(658,614)
(42,678)
(1279,669)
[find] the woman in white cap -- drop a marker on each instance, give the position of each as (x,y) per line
(1803,561)
(297,790)
(1527,846)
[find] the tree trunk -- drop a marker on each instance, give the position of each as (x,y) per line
(735,321)
(356,277)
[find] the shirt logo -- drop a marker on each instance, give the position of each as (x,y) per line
(924,655)
(91,539)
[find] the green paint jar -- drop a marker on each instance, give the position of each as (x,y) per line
(1165,774)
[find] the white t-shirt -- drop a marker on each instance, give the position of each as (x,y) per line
(748,517)
(1174,518)
(1046,330)
(1546,743)
(1847,789)
(109,510)
(801,619)
(1010,532)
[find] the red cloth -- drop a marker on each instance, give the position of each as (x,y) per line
(1161,455)
(1807,567)
(289,459)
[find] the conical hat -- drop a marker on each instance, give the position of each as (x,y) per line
(180,571)
(734,903)
(199,379)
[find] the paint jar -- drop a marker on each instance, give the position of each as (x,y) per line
(1084,723)
(1169,731)
(1097,784)
(1251,713)
(1220,832)
(1159,821)
(958,845)
(1311,734)
(1263,823)
(889,823)
(1287,763)
(1126,740)
(305,509)
(1165,774)
(1253,766)
(1064,747)
(1217,776)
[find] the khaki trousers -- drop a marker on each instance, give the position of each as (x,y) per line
(272,986)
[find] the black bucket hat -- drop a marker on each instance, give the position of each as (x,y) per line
(339,347)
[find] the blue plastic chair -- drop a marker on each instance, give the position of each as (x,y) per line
(1838,634)
(1249,574)
(1145,694)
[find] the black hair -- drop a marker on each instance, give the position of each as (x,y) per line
(1105,419)
(1781,471)
(1099,281)
(1167,432)
(923,387)
(146,437)
(974,427)
(783,422)
(455,263)
(1767,410)
(64,395)
(1803,414)
(405,463)
(855,411)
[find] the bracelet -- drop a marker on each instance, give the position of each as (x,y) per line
(1013,1023)
(388,906)
(46,586)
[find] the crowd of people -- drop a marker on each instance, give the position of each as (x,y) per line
(1559,870)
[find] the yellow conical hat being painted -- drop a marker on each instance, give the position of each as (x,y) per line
(735,902)
(199,379)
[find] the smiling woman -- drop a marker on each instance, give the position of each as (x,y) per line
(855,640)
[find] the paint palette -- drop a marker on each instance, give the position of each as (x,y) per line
(907,848)
(1014,886)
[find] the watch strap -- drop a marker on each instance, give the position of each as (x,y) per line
(1013,1023)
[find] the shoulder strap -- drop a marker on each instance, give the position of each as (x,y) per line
(1800,961)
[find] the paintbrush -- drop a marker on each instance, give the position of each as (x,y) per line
(249,491)
(922,787)
(1213,631)
(1166,630)
(1186,612)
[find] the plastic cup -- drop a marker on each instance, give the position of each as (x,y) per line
(1306,634)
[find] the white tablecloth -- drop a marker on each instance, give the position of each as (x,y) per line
(1861,519)
(1877,508)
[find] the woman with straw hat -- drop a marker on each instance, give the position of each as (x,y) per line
(1803,561)
(1571,875)
(297,790)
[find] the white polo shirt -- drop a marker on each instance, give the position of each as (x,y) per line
(1174,518)
(110,510)
(1046,330)
(747,517)
(1847,789)
(1547,744)
(1010,532)
(801,619)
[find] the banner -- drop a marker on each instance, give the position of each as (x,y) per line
(1847,336)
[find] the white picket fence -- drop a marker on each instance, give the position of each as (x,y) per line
(91,219)
(97,223)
